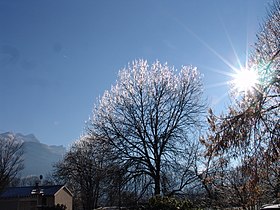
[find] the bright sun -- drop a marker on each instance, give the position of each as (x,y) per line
(245,80)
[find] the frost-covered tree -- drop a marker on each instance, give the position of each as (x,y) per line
(150,117)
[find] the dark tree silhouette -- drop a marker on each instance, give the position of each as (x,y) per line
(149,116)
(11,162)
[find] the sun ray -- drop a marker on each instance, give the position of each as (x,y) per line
(220,98)
(231,44)
(206,45)
(241,77)
(229,74)
(217,84)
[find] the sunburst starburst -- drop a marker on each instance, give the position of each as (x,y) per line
(245,80)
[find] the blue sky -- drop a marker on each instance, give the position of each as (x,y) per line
(58,56)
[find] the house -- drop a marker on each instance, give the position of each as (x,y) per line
(35,197)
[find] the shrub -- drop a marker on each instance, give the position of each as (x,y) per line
(168,203)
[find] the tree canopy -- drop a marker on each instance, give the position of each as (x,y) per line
(150,117)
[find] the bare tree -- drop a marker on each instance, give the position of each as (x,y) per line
(150,116)
(253,121)
(79,171)
(249,131)
(11,161)
(88,169)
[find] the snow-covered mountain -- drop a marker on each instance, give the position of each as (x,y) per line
(38,157)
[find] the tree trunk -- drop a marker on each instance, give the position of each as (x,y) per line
(157,186)
(157,179)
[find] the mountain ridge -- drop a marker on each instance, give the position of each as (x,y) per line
(39,158)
